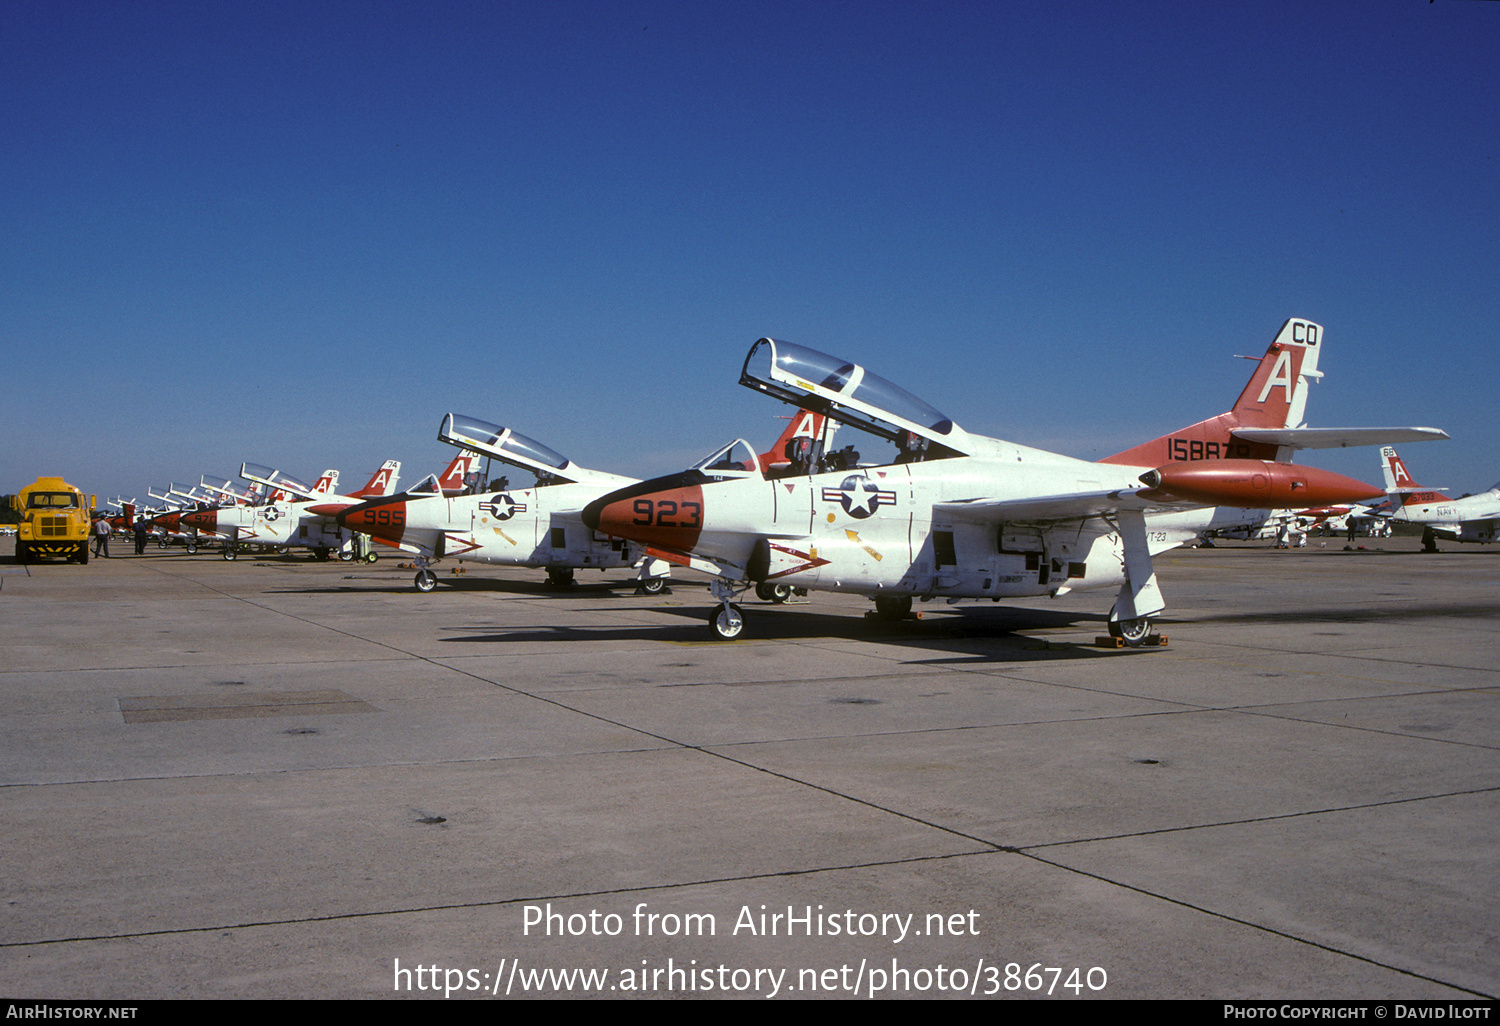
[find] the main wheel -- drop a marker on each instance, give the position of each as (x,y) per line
(1133,632)
(425,581)
(192,548)
(728,622)
(768,592)
(230,554)
(892,607)
(652,585)
(560,577)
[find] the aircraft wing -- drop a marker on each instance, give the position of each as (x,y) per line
(1338,438)
(1053,508)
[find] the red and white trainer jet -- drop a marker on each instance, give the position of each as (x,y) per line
(538,526)
(959,515)
(288,520)
(1474,518)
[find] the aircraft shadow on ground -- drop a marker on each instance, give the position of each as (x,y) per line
(976,633)
(1393,612)
(473,585)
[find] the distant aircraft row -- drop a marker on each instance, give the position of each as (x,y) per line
(951,514)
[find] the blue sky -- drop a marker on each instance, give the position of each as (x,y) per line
(299,234)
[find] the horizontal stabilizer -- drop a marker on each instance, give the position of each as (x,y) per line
(1338,438)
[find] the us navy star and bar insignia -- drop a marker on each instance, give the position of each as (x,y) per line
(859,496)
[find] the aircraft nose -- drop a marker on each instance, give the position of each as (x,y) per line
(665,512)
(202,519)
(384,520)
(329,509)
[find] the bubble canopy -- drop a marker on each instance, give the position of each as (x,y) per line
(844,391)
(512,447)
(499,442)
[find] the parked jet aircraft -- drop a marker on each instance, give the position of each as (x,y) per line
(289,522)
(177,503)
(537,526)
(958,515)
(1474,518)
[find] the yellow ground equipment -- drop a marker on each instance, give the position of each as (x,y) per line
(55,521)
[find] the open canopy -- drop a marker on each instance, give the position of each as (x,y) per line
(516,449)
(850,394)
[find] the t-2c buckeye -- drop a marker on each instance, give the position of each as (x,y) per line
(959,515)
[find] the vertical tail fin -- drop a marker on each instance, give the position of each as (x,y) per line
(802,424)
(326,484)
(453,481)
(1401,488)
(1275,397)
(382,483)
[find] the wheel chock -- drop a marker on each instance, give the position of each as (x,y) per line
(1110,641)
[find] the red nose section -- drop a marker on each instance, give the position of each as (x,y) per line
(386,521)
(1257,484)
(202,520)
(672,518)
(329,509)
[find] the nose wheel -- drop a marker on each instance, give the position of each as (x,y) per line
(728,621)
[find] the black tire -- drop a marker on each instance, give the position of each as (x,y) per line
(1133,632)
(653,585)
(425,581)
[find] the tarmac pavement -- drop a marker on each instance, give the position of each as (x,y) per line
(284,778)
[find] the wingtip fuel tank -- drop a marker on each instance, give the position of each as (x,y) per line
(1256,484)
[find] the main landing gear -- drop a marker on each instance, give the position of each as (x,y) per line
(1136,633)
(560,577)
(892,607)
(425,580)
(777,593)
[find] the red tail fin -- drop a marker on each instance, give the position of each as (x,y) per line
(383,483)
(802,424)
(1276,397)
(453,481)
(1401,487)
